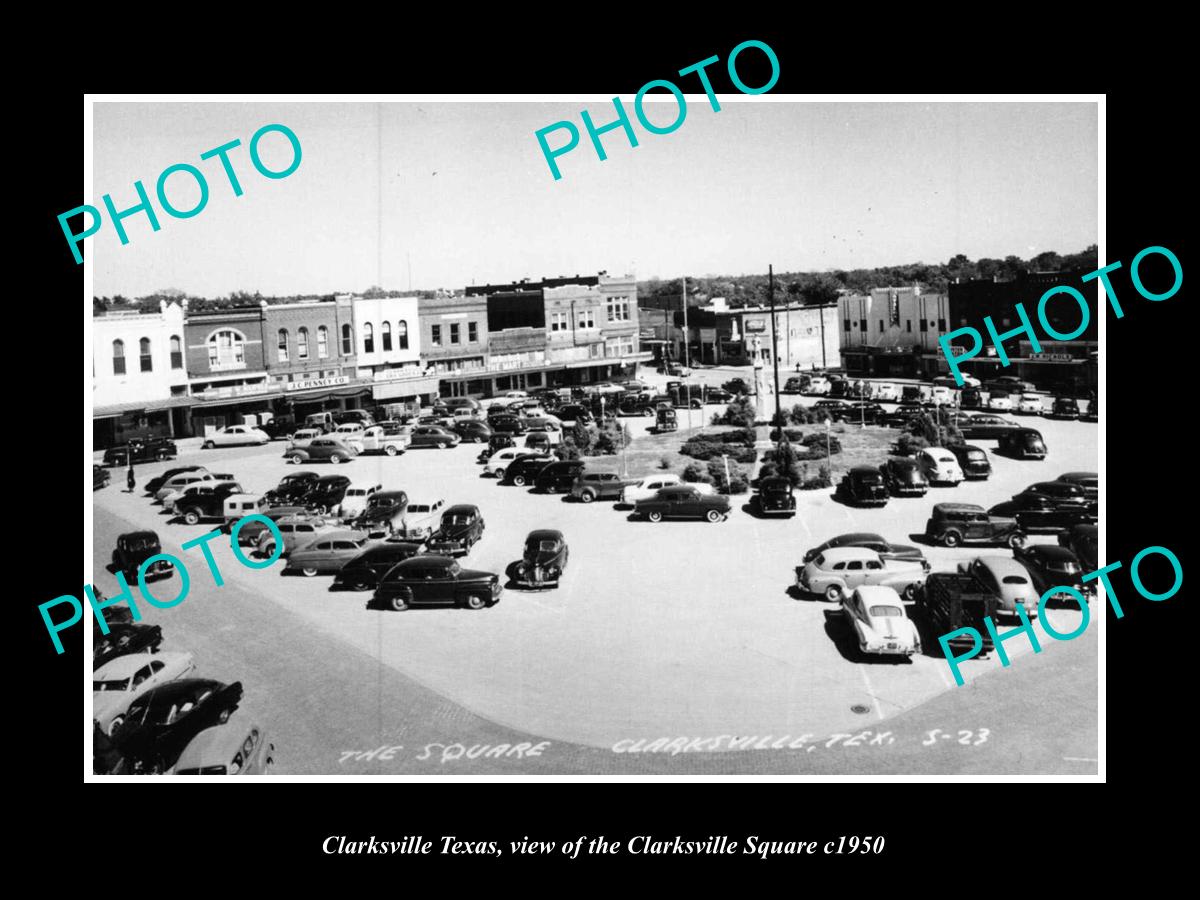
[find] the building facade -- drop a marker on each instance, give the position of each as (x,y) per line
(454,335)
(805,336)
(388,341)
(893,332)
(139,376)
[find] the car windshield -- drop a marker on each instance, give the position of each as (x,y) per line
(1014,579)
(142,543)
(976,454)
(457,519)
(1068,566)
(115,684)
(205,770)
(886,612)
(418,507)
(382,502)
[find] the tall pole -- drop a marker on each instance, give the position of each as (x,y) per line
(687,360)
(774,346)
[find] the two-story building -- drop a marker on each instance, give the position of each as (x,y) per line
(454,344)
(893,332)
(804,336)
(388,340)
(139,376)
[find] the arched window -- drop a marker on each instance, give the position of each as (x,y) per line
(118,357)
(283,345)
(347,340)
(176,352)
(226,350)
(322,342)
(402,334)
(147,359)
(385,331)
(302,343)
(368,338)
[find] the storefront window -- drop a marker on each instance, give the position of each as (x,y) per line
(226,350)
(368,338)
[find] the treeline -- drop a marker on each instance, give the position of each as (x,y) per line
(150,302)
(824,287)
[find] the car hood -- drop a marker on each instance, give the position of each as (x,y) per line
(379,513)
(452,532)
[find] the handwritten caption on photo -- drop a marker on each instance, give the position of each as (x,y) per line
(98,605)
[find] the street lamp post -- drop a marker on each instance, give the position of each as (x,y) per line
(728,482)
(828,453)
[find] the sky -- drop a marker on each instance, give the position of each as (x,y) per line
(446,194)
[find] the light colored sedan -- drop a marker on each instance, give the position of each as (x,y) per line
(940,466)
(178,483)
(880,623)
(117,683)
(1008,580)
(351,433)
(355,500)
(236,436)
(999,404)
(327,554)
(1030,405)
(502,459)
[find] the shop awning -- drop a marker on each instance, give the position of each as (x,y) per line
(120,409)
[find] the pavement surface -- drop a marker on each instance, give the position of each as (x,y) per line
(671,648)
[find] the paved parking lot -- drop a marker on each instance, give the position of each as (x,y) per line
(676,628)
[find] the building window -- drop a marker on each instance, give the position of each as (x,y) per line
(402,334)
(118,357)
(147,360)
(283,345)
(322,342)
(881,324)
(558,321)
(845,324)
(454,332)
(368,338)
(587,318)
(347,340)
(941,325)
(302,343)
(385,335)
(908,325)
(862,324)
(435,335)
(618,309)
(176,352)
(473,332)
(924,325)
(227,350)
(595,351)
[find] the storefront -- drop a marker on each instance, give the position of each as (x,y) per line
(113,426)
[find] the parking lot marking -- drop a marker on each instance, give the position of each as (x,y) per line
(1080,759)
(870,691)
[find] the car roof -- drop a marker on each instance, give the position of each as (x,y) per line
(544,534)
(938,452)
(218,744)
(244,497)
(334,479)
(864,470)
(1051,551)
(838,554)
(957,507)
(341,534)
(138,536)
(1002,565)
(181,687)
(379,494)
(125,666)
(465,508)
(1065,476)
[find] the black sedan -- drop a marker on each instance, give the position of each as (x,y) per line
(1064,408)
(885,548)
(1089,481)
(460,529)
(973,461)
(155,484)
(292,488)
(100,477)
(718,395)
(863,486)
(1038,514)
(683,502)
(429,580)
(1084,542)
(365,571)
(544,560)
(473,431)
(1064,493)
(161,723)
(775,497)
(904,477)
(1050,567)
(524,469)
(507,424)
(135,548)
(122,640)
(985,426)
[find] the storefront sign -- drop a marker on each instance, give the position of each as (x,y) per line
(398,374)
(316,383)
(237,390)
(755,326)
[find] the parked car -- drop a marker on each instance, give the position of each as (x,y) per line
(1064,493)
(163,721)
(377,439)
(1064,408)
(292,488)
(177,484)
(837,410)
(885,548)
(574,412)
(239,747)
(1000,401)
(499,462)
(952,524)
(862,412)
(970,398)
(329,448)
(665,419)
(942,395)
(884,392)
(683,502)
(154,484)
(383,513)
(544,559)
(972,460)
(950,382)
(236,436)
(1084,542)
(717,395)
(302,437)
(321,421)
(141,450)
(1039,514)
(354,500)
(364,571)
(351,434)
(170,497)
(863,486)
(876,614)
(123,640)
(558,477)
(1030,405)
(251,532)
(775,497)
(507,424)
(100,477)
(473,431)
(434,436)
(524,469)
(953,600)
(238,506)
(591,486)
(419,519)
(904,477)
(461,528)
(296,531)
(1051,566)
(794,385)
(279,427)
(327,493)
(117,683)
(1007,581)
(984,426)
(1089,481)
(496,443)
(360,416)
(940,466)
(205,501)
(326,554)
(901,415)
(430,580)
(541,442)
(1022,443)
(839,570)
(649,487)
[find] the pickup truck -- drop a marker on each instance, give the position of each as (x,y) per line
(591,486)
(141,450)
(376,440)
(951,600)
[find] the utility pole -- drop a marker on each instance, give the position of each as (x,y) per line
(686,334)
(774,347)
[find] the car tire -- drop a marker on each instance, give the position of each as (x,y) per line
(519,480)
(308,571)
(951,539)
(398,603)
(115,724)
(390,450)
(334,458)
(833,593)
(295,459)
(162,455)
(267,551)
(476,601)
(192,517)
(910,592)
(208,445)
(654,516)
(360,586)
(1017,541)
(713,516)
(500,473)
(647,413)
(587,496)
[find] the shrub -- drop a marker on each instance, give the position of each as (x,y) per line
(740,411)
(694,472)
(605,445)
(823,479)
(792,434)
(664,463)
(910,444)
(803,415)
(737,483)
(816,444)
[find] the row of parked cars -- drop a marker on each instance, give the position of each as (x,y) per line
(876,582)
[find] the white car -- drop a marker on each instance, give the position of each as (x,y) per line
(880,623)
(940,466)
(817,386)
(942,395)
(948,381)
(302,436)
(420,519)
(355,500)
(120,681)
(351,434)
(1000,403)
(883,392)
(177,483)
(652,484)
(515,395)
(1031,405)
(502,459)
(375,441)
(236,436)
(607,387)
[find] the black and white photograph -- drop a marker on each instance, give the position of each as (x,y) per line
(532,437)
